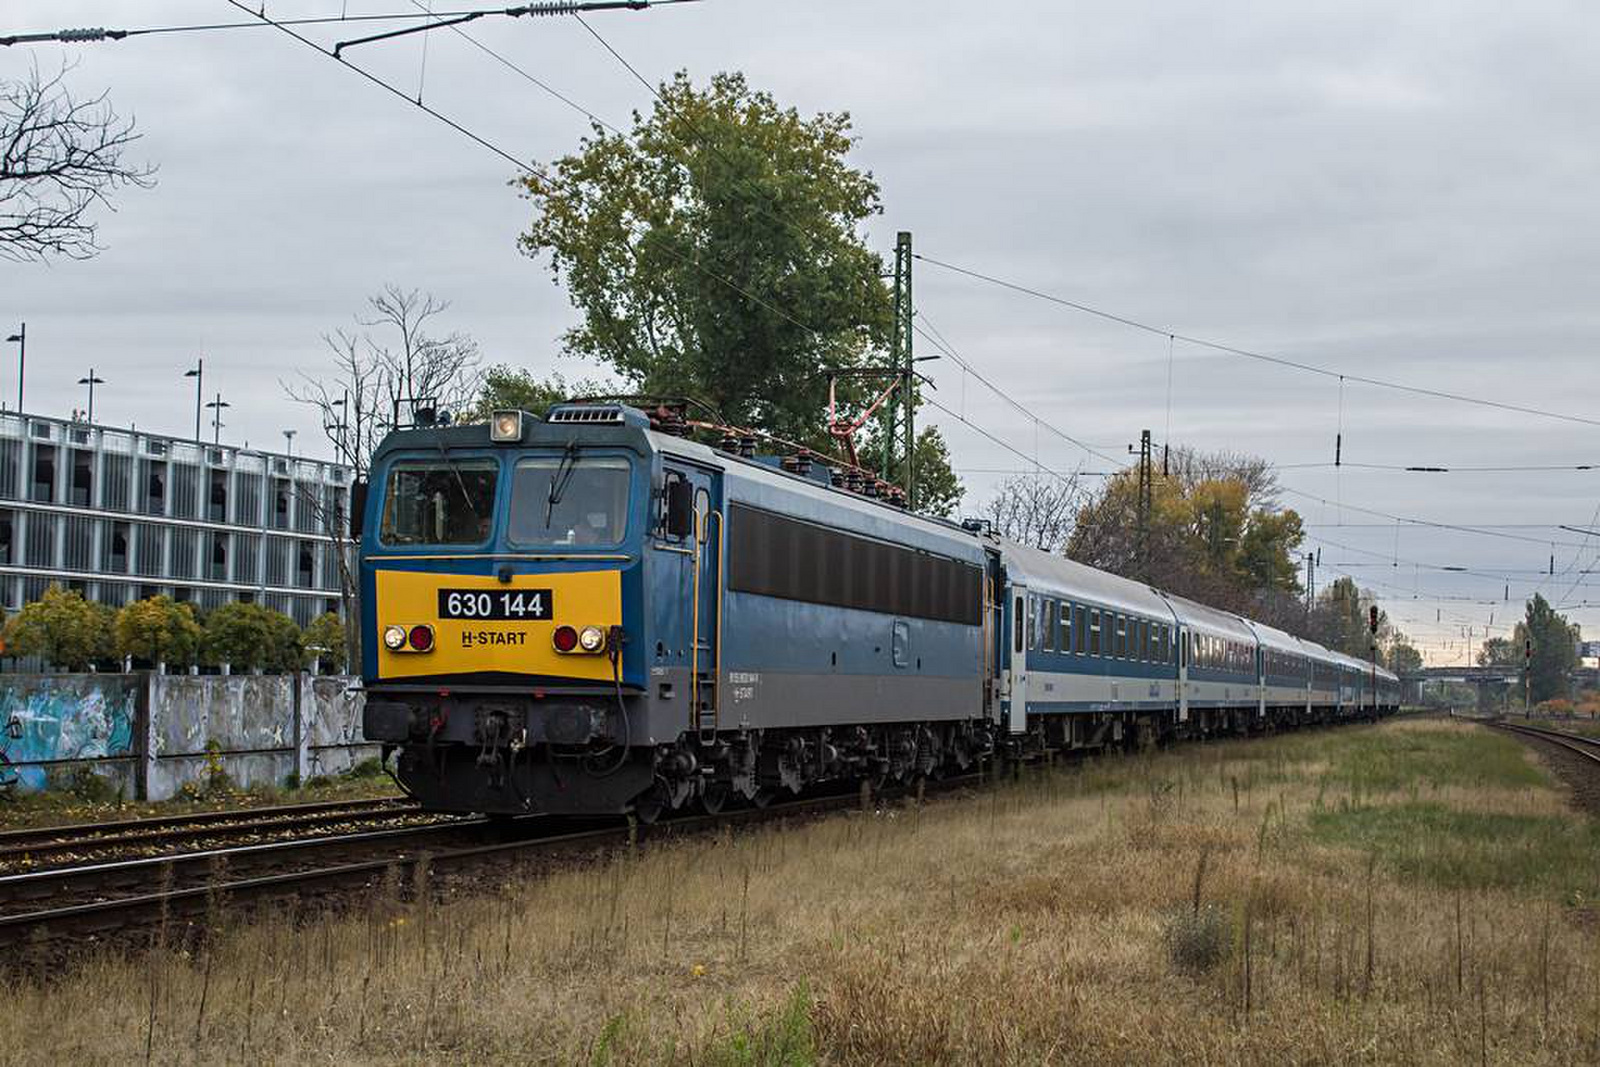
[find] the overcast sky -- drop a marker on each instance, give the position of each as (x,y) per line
(1401,191)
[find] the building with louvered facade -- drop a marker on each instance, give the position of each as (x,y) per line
(120,515)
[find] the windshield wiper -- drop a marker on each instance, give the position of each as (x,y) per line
(559,480)
(461,484)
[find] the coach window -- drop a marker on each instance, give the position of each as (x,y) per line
(1094,631)
(1081,629)
(1033,622)
(1066,626)
(1047,615)
(1016,643)
(1122,637)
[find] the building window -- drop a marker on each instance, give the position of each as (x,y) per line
(217,570)
(306,503)
(247,558)
(277,568)
(217,499)
(306,566)
(40,547)
(153,486)
(247,499)
(185,545)
(79,548)
(114,550)
(280,504)
(10,460)
(114,479)
(151,550)
(82,478)
(43,483)
(185,490)
(7,555)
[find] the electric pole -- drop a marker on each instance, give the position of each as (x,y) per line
(903,358)
(1145,493)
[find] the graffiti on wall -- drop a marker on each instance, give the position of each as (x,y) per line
(91,721)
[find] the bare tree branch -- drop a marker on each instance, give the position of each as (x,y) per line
(369,387)
(1036,510)
(59,159)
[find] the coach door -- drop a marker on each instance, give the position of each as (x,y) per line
(699,585)
(1016,683)
(1183,674)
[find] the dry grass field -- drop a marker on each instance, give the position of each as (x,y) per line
(1415,892)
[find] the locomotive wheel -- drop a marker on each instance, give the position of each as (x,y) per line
(650,806)
(715,797)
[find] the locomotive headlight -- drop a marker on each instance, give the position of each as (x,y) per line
(505,426)
(394,638)
(592,639)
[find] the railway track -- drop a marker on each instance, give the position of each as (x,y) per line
(93,900)
(77,839)
(1587,747)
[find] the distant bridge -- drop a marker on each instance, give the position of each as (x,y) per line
(1486,679)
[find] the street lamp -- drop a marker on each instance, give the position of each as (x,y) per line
(216,407)
(91,381)
(198,374)
(21,338)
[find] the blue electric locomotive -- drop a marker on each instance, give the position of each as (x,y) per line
(592,613)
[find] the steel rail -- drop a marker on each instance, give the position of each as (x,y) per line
(126,910)
(61,879)
(10,839)
(1587,747)
(157,835)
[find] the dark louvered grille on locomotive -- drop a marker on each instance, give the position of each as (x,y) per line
(781,557)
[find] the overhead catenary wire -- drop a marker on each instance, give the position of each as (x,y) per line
(97,34)
(967,367)
(1246,353)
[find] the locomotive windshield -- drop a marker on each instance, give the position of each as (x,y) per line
(438,503)
(569,500)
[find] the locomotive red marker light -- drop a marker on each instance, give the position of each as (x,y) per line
(421,637)
(565,639)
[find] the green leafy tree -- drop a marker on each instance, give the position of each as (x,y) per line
(324,642)
(61,628)
(721,183)
(252,636)
(1403,657)
(158,630)
(714,252)
(512,388)
(1500,652)
(1555,653)
(1213,534)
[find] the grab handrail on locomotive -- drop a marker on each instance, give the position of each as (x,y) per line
(591,613)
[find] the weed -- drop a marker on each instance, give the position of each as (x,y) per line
(1198,940)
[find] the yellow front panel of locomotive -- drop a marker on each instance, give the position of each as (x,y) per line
(520,646)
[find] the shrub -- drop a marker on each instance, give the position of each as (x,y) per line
(251,636)
(1199,938)
(324,642)
(158,630)
(61,628)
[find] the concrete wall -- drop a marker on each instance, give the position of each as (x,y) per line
(49,723)
(154,734)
